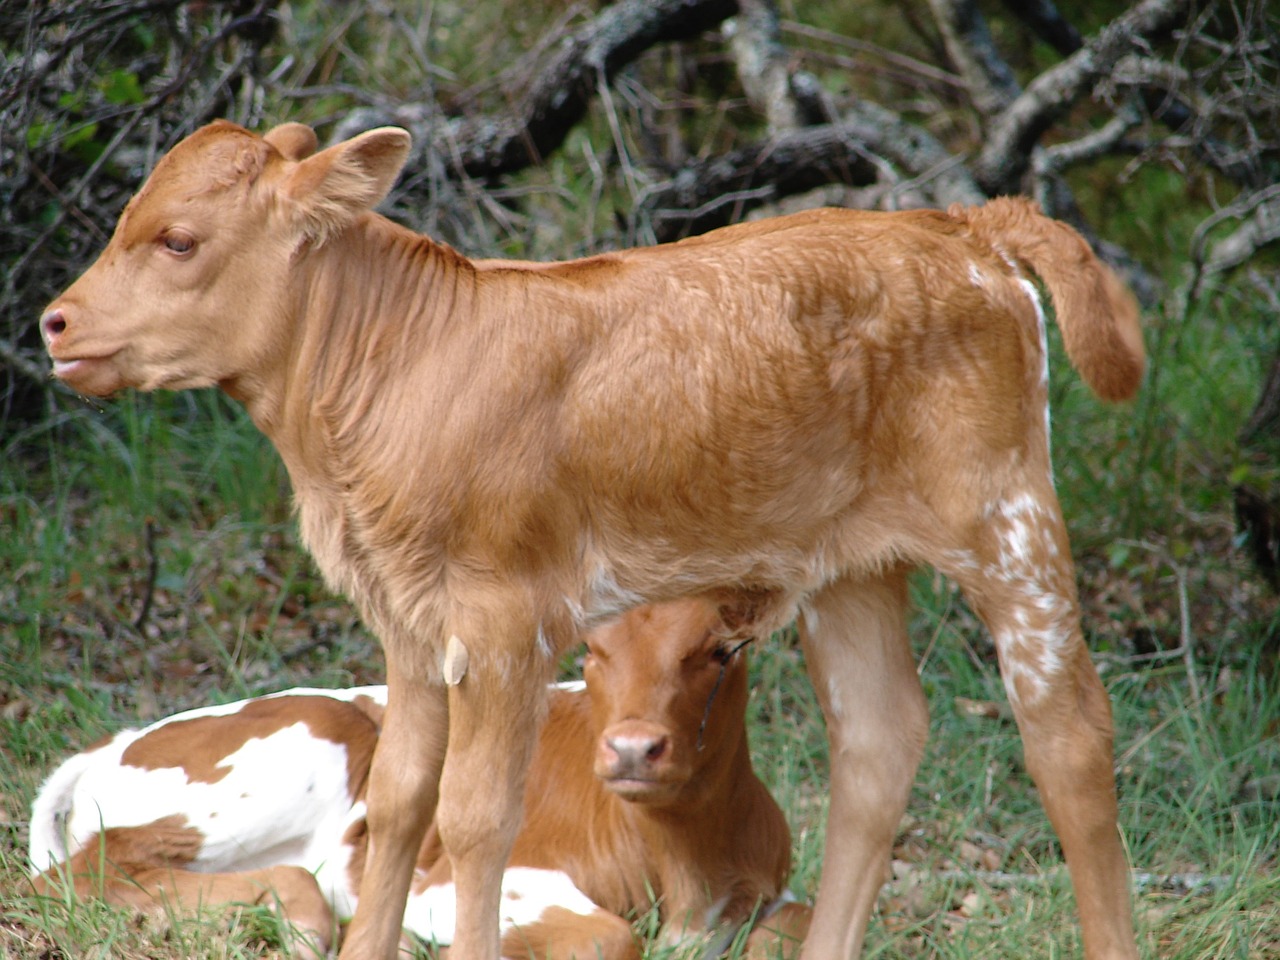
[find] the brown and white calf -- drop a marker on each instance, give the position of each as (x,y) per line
(489,457)
(641,787)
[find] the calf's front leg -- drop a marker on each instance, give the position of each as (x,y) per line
(404,783)
(495,710)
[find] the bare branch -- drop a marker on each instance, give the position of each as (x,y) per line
(915,151)
(903,68)
(13,357)
(559,96)
(859,150)
(1055,159)
(711,193)
(765,69)
(1260,212)
(991,84)
(1011,137)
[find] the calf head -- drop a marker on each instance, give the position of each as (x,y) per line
(193,288)
(668,689)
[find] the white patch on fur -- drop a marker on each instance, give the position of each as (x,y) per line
(48,839)
(976,276)
(1042,330)
(835,702)
(604,598)
(1032,649)
(329,858)
(811,619)
(544,643)
(279,792)
(527,893)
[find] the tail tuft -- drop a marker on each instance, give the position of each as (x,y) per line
(49,813)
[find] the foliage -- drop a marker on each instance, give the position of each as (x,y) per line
(148,559)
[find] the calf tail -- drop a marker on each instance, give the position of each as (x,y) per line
(1097,314)
(49,813)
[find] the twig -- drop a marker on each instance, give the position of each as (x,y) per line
(989,79)
(1188,648)
(908,64)
(153,571)
(1187,884)
(12,357)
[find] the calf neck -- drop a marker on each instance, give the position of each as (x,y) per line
(496,455)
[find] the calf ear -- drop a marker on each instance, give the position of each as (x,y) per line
(332,188)
(295,141)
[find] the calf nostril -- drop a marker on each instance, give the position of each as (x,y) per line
(54,323)
(656,749)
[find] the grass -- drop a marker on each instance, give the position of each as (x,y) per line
(149,563)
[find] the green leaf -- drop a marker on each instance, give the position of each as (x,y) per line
(121,87)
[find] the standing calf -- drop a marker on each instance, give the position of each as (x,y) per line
(641,786)
(489,457)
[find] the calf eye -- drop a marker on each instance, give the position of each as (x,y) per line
(179,242)
(723,653)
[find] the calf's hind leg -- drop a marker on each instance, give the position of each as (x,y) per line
(856,646)
(1021,582)
(142,868)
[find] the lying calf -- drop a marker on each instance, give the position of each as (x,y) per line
(641,786)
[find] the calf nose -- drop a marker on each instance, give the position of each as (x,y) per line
(52,324)
(633,752)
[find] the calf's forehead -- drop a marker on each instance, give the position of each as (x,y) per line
(192,179)
(660,634)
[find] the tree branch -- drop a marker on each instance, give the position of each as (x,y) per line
(857,151)
(559,96)
(991,84)
(711,193)
(1006,155)
(1260,212)
(785,100)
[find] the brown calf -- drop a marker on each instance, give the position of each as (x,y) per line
(489,457)
(263,801)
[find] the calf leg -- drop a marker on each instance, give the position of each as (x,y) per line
(561,934)
(494,713)
(404,782)
(290,891)
(1020,581)
(855,642)
(155,887)
(781,935)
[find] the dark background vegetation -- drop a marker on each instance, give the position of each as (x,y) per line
(147,556)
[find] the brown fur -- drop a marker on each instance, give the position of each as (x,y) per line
(184,744)
(142,868)
(800,408)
